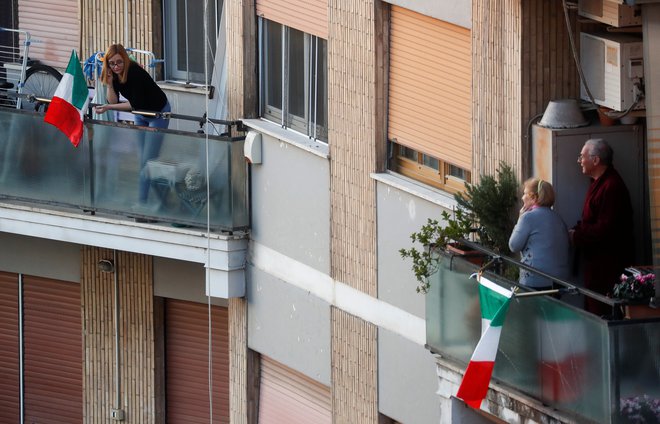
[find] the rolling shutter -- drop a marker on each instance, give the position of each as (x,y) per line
(54,27)
(9,364)
(53,351)
(186,356)
(430,86)
(310,16)
(288,396)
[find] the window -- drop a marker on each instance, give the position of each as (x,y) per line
(293,79)
(428,169)
(184,38)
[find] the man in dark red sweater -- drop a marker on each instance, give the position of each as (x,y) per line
(604,235)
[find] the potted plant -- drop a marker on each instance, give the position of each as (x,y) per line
(486,209)
(492,205)
(637,287)
(640,409)
(434,238)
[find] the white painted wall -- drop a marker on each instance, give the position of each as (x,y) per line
(458,12)
(40,257)
(289,325)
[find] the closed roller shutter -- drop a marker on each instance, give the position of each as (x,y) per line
(186,356)
(53,351)
(54,27)
(288,396)
(9,364)
(430,86)
(310,16)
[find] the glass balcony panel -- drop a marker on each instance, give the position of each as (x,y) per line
(636,361)
(551,351)
(129,171)
(38,161)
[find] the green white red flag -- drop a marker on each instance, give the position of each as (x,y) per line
(67,109)
(494,302)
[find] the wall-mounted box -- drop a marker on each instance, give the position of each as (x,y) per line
(611,12)
(612,64)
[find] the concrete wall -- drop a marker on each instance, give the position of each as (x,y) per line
(289,325)
(291,203)
(290,214)
(40,257)
(458,12)
(182,280)
(407,380)
(401,213)
(402,209)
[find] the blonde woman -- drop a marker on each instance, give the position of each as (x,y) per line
(540,236)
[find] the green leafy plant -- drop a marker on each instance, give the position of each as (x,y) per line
(434,239)
(492,205)
(487,208)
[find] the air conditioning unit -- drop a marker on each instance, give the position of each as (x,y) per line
(613,67)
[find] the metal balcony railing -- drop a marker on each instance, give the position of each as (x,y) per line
(188,181)
(560,355)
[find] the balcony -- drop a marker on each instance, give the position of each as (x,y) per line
(558,355)
(104,174)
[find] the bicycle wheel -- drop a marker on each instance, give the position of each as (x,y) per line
(40,81)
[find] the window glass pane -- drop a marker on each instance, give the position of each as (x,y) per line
(186,44)
(431,162)
(321,90)
(457,172)
(407,153)
(297,65)
(272,63)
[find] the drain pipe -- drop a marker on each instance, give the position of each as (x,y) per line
(118,413)
(106,265)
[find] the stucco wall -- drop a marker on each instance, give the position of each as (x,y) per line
(40,257)
(291,204)
(458,12)
(401,213)
(289,325)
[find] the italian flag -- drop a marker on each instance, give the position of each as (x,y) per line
(67,109)
(563,355)
(494,305)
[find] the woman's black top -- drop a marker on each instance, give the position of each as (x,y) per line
(140,90)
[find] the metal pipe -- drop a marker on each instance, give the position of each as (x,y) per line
(21,361)
(116,319)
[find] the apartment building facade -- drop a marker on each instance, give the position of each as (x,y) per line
(361,119)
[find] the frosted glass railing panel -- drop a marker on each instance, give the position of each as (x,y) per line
(635,350)
(162,175)
(123,170)
(550,350)
(38,162)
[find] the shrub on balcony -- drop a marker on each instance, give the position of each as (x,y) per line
(487,208)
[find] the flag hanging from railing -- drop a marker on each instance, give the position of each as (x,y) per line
(67,109)
(494,302)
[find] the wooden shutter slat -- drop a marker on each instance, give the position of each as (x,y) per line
(310,16)
(291,397)
(186,353)
(9,351)
(52,326)
(430,104)
(54,39)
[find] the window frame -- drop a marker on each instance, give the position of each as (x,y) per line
(308,123)
(171,42)
(412,166)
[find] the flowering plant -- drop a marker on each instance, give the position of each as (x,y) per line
(635,286)
(640,410)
